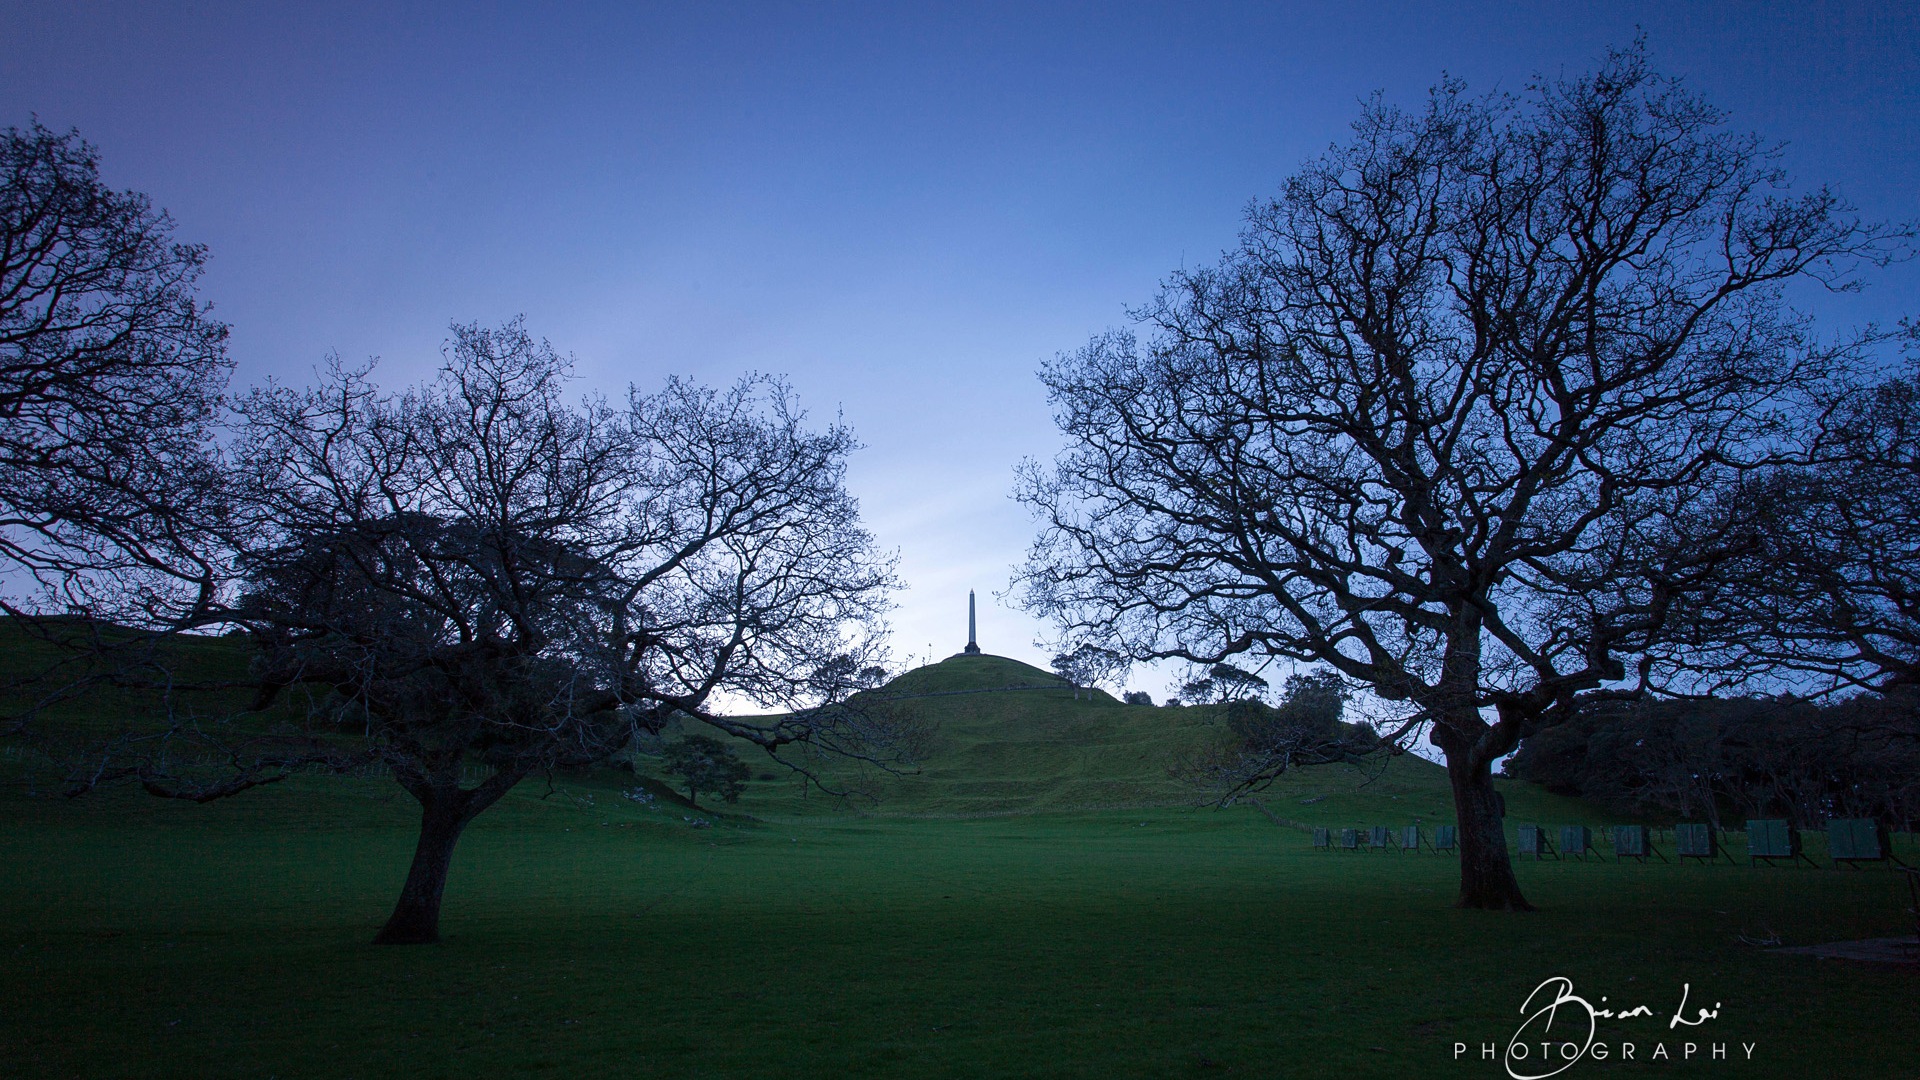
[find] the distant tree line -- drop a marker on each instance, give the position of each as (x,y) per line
(1725,761)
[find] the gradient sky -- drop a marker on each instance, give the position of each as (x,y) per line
(902,207)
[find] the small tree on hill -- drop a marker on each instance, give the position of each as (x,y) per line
(1267,740)
(1312,705)
(704,763)
(1224,682)
(1087,666)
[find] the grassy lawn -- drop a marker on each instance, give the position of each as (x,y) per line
(597,939)
(1041,900)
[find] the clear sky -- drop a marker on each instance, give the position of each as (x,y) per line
(903,207)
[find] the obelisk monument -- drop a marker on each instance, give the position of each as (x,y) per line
(973,645)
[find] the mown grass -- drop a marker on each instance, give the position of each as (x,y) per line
(147,939)
(936,935)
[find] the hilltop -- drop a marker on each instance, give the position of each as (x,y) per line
(973,673)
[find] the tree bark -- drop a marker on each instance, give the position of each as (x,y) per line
(1486,871)
(445,810)
(416,918)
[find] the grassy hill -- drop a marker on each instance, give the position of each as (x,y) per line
(1004,738)
(59,667)
(1008,738)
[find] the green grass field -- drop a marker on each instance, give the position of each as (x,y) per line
(1038,903)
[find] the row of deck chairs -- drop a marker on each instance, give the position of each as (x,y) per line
(1444,839)
(1576,842)
(1850,842)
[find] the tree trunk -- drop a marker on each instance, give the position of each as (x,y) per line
(445,810)
(1486,871)
(416,918)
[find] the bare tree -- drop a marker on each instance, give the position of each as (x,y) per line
(111,376)
(477,576)
(1433,422)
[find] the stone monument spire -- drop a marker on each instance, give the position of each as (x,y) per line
(973,645)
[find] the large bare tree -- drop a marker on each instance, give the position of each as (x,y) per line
(1435,420)
(477,580)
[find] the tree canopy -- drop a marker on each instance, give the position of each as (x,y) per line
(112,373)
(1825,595)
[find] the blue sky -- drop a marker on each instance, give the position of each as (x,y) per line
(901,207)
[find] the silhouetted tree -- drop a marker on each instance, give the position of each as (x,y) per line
(1267,740)
(1435,421)
(1223,682)
(477,573)
(111,377)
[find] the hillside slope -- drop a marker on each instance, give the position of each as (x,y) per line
(1003,738)
(1008,738)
